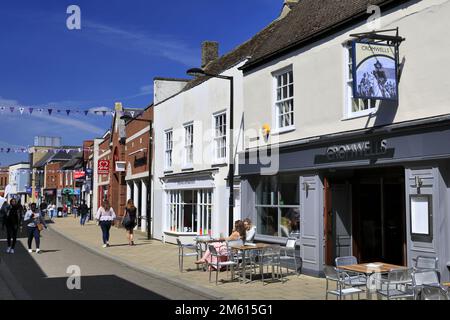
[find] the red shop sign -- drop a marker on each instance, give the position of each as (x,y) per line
(79,174)
(103,166)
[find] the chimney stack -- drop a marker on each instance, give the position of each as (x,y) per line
(210,52)
(287,7)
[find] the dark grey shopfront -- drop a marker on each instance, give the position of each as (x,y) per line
(380,194)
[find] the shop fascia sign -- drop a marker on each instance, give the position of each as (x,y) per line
(363,149)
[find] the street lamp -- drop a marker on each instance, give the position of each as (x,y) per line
(149,153)
(197,72)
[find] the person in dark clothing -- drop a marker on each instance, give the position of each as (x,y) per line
(84,213)
(11,219)
(129,221)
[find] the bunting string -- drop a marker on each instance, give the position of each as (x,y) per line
(69,111)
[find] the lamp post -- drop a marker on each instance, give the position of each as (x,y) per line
(149,153)
(196,72)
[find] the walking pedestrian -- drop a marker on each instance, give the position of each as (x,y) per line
(11,219)
(35,224)
(129,221)
(105,216)
(84,212)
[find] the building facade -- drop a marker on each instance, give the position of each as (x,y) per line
(367,178)
(4,178)
(19,182)
(138,150)
(192,156)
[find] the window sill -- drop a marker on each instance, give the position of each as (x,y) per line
(168,171)
(187,168)
(283,130)
(360,115)
(219,163)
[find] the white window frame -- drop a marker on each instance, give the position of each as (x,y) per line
(348,94)
(275,108)
(188,163)
(168,149)
(217,139)
(203,213)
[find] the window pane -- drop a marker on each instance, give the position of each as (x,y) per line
(267,191)
(289,190)
(267,221)
(290,222)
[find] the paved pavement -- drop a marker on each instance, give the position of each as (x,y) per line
(44,276)
(161,262)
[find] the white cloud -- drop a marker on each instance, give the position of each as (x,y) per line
(153,45)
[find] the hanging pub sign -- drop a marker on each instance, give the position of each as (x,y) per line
(375,70)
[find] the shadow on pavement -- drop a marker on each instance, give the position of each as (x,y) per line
(39,287)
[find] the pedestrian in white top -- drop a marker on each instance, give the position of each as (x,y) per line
(251,230)
(105,216)
(35,223)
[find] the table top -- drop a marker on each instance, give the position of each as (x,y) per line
(374,267)
(256,246)
(208,240)
(447,284)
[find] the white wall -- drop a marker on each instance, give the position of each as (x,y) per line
(319,77)
(198,105)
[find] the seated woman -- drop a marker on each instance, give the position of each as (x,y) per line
(250,229)
(238,234)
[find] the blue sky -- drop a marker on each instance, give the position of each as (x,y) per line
(121,47)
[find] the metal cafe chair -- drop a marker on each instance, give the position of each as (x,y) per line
(186,250)
(424,278)
(397,285)
(434,293)
(220,262)
(423,263)
(344,286)
(330,276)
(355,279)
(271,257)
(289,254)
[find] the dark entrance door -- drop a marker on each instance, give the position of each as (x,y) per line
(364,215)
(379,216)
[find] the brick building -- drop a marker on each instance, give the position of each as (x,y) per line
(137,153)
(4,177)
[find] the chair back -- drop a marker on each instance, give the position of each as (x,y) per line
(346,261)
(423,262)
(434,293)
(179,243)
(330,272)
(290,243)
(400,276)
(213,251)
(429,277)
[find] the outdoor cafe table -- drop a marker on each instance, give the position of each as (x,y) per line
(247,249)
(370,269)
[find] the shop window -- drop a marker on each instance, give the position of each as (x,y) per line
(190,211)
(356,107)
(284,99)
(278,206)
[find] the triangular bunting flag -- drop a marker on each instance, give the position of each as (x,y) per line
(132,114)
(113,113)
(21,109)
(50,112)
(11,108)
(86,112)
(104,113)
(30,110)
(67,111)
(2,109)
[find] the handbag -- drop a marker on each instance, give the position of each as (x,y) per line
(126,220)
(40,226)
